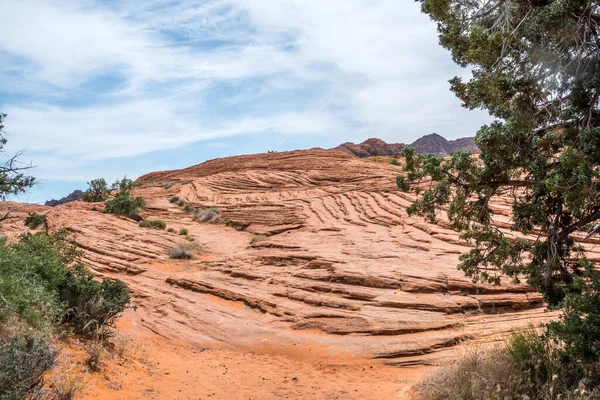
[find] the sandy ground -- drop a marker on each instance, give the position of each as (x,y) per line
(156,368)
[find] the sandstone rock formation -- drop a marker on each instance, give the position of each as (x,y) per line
(340,263)
(432,143)
(371,148)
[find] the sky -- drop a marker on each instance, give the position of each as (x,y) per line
(111,88)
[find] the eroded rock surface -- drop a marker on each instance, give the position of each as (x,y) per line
(340,262)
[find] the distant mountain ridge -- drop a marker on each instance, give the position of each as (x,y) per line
(76,195)
(433,143)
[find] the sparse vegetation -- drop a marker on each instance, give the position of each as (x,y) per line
(210,214)
(174,199)
(124,203)
(395,161)
(152,223)
(171,230)
(33,220)
(185,251)
(188,207)
(180,202)
(183,231)
(189,238)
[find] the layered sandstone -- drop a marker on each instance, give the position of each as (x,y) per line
(342,265)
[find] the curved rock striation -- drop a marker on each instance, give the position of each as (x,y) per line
(318,248)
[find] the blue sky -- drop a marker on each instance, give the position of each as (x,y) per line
(111,88)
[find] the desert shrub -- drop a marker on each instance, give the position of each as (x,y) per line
(210,214)
(187,207)
(174,199)
(258,238)
(23,362)
(189,238)
(94,208)
(186,251)
(124,203)
(43,283)
(152,223)
(526,366)
(183,231)
(180,202)
(171,230)
(92,306)
(33,220)
(97,191)
(395,161)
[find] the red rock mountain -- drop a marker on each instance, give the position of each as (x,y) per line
(432,143)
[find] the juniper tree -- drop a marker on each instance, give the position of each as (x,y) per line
(97,191)
(536,69)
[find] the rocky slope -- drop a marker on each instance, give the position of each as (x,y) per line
(432,143)
(340,264)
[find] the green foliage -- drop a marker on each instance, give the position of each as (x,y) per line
(534,68)
(402,184)
(171,230)
(13,180)
(185,251)
(180,202)
(154,224)
(183,231)
(43,283)
(23,362)
(395,161)
(124,203)
(174,199)
(33,220)
(187,207)
(124,185)
(97,191)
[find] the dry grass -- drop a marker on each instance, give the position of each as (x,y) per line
(210,214)
(526,366)
(95,356)
(185,251)
(258,238)
(67,386)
